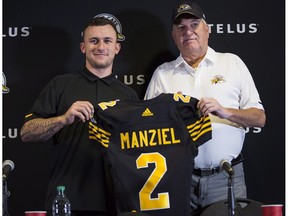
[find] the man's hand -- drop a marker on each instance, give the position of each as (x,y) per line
(210,105)
(79,110)
(251,117)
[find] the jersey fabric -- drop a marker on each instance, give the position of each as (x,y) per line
(150,147)
(222,76)
(74,160)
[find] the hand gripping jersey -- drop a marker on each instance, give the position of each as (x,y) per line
(150,147)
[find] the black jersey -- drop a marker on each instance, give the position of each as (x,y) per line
(150,146)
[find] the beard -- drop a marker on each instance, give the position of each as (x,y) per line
(99,64)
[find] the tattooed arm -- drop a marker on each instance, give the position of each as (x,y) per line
(41,129)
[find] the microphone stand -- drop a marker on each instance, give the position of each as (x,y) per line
(4,199)
(231,196)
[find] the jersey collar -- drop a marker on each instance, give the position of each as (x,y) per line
(90,76)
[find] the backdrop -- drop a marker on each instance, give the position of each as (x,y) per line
(41,39)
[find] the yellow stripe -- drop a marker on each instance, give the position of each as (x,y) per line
(199,128)
(201,133)
(28,115)
(99,135)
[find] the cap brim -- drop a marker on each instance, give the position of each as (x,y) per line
(187,12)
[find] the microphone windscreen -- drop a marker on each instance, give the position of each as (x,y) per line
(9,163)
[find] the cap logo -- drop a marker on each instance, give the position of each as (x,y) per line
(5,89)
(120,36)
(183,7)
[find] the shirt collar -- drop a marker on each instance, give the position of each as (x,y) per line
(90,76)
(209,58)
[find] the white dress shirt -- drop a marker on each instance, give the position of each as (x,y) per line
(223,76)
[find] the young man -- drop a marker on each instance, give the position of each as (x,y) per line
(62,111)
(226,92)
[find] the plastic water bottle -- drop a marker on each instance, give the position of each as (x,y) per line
(61,205)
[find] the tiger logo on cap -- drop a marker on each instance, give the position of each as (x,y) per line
(183,7)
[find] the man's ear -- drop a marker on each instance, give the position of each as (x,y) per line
(82,47)
(118,48)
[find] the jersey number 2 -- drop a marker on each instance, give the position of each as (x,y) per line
(162,199)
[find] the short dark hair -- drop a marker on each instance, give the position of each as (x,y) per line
(100,21)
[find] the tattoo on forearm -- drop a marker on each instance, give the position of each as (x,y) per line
(40,129)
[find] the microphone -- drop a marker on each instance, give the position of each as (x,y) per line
(7,167)
(226,165)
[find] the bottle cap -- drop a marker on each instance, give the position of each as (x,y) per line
(62,188)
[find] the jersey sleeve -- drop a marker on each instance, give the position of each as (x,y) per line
(198,125)
(100,126)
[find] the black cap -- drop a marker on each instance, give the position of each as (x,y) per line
(187,8)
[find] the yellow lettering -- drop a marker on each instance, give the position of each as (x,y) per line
(164,136)
(159,137)
(174,140)
(134,141)
(143,138)
(146,138)
(153,134)
(125,140)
